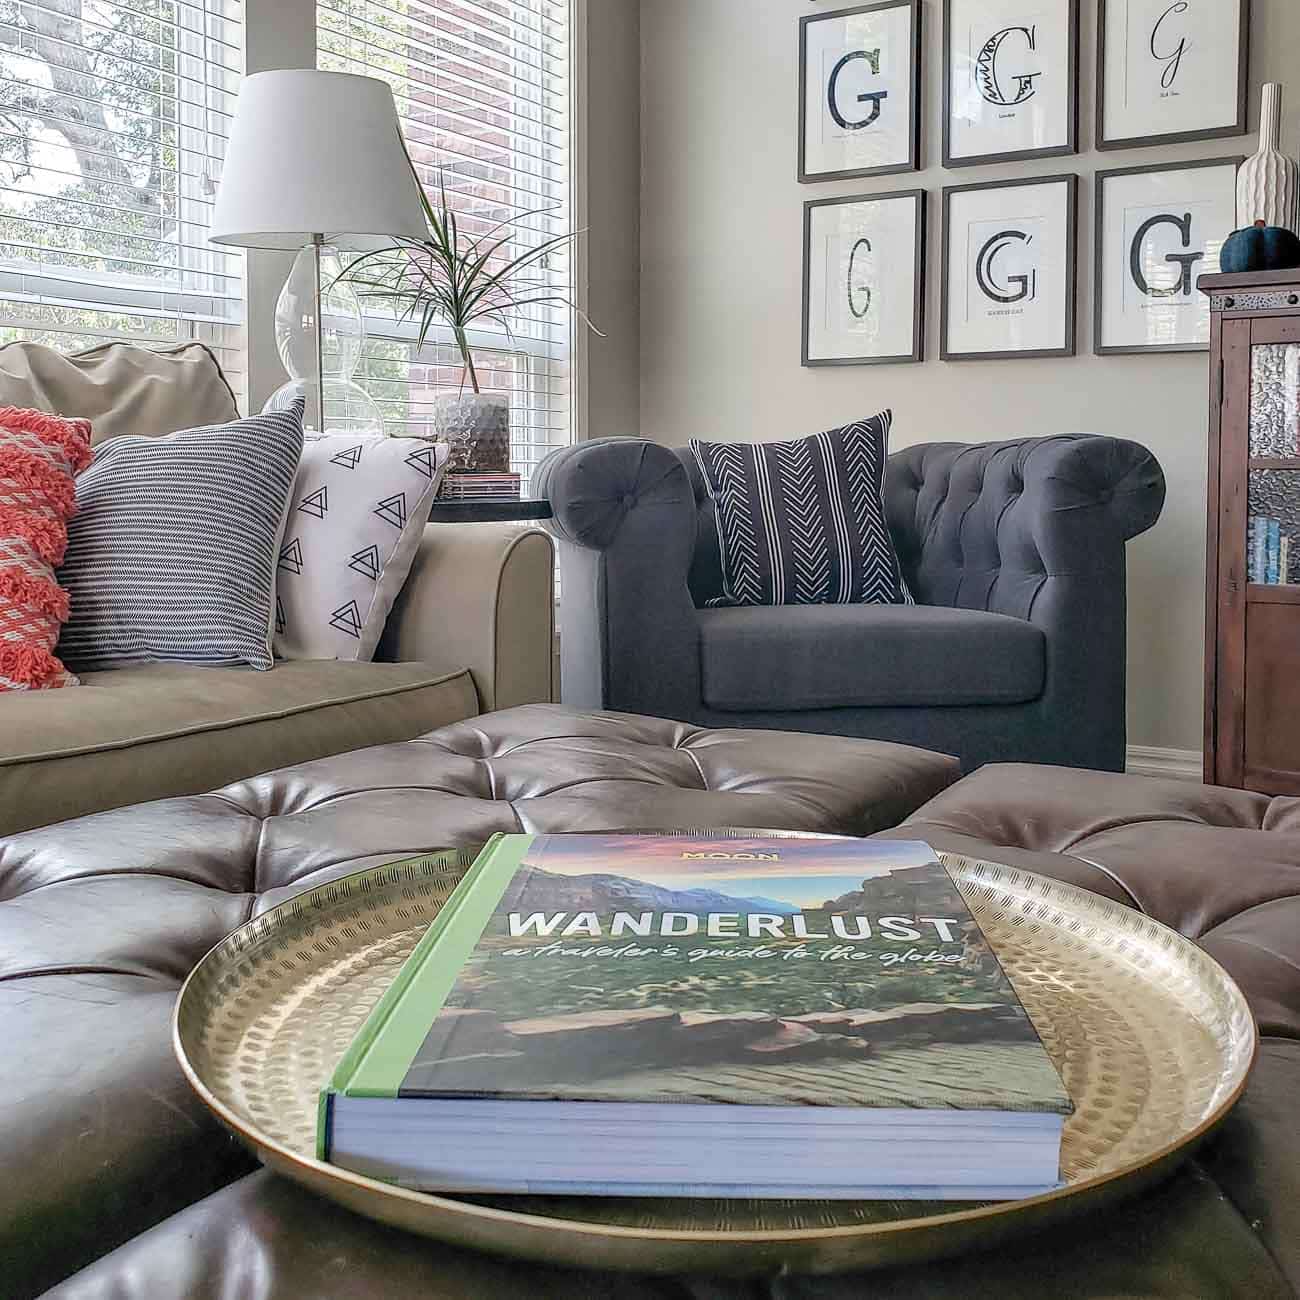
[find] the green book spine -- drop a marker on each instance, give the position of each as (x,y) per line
(380,1055)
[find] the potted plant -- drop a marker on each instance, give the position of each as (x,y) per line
(462,279)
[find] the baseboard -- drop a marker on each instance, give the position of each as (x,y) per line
(1172,764)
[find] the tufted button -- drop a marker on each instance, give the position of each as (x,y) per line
(629,500)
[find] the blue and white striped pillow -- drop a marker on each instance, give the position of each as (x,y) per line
(171,555)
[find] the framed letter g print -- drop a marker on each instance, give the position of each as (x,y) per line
(860,91)
(1170,70)
(1158,228)
(864,279)
(1009,269)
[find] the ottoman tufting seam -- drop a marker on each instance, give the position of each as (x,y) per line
(121,875)
(1254,907)
(339,796)
(604,780)
(699,767)
(255,881)
(1113,878)
(44,971)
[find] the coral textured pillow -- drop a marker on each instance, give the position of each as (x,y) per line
(39,454)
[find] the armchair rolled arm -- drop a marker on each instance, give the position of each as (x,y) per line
(482,597)
(594,486)
(624,517)
(1089,485)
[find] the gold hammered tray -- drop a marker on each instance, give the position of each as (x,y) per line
(1152,1038)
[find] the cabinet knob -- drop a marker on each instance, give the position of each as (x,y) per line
(1230,302)
(1292,299)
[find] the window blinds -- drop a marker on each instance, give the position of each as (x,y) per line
(113,122)
(482,91)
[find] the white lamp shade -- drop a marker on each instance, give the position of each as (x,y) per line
(314,153)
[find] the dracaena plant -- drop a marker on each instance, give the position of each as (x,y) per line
(459,278)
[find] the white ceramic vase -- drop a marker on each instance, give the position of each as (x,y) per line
(1268,184)
(476,426)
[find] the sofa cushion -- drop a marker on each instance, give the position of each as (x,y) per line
(165,729)
(119,387)
(841,656)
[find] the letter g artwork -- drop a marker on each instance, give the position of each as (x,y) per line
(874,98)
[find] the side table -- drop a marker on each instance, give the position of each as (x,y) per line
(488,511)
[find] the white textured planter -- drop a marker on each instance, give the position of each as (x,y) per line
(477,428)
(1268,183)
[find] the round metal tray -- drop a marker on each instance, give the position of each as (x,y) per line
(1152,1038)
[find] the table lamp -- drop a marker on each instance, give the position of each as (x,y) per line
(317,154)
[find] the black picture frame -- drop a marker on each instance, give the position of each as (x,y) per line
(920,198)
(1014,155)
(1237,127)
(1071,181)
(913,162)
(1098,255)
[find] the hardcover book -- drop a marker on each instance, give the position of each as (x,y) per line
(674,1015)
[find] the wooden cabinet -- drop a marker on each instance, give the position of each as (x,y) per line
(1252,645)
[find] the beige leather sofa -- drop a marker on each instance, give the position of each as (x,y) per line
(472,631)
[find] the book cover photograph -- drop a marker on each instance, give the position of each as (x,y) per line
(781,971)
(701,1016)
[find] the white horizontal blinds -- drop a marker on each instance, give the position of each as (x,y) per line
(482,89)
(113,123)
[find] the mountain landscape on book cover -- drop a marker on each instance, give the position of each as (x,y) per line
(763,971)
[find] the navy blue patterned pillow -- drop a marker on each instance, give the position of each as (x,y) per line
(803,522)
(172,552)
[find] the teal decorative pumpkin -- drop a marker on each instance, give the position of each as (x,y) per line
(1259,248)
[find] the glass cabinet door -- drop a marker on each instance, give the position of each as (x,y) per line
(1275,400)
(1273,491)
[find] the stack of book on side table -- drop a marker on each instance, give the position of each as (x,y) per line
(689,1016)
(475,485)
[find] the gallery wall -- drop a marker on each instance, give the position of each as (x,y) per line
(721,229)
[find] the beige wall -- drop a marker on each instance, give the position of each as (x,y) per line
(721,219)
(611,120)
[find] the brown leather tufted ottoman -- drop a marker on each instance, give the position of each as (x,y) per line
(95,1116)
(103,917)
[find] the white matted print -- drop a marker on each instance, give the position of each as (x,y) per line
(1171,70)
(1011,79)
(1009,269)
(1158,229)
(864,268)
(859,91)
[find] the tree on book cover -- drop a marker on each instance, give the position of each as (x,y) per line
(760,970)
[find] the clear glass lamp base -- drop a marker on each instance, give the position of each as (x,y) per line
(348,407)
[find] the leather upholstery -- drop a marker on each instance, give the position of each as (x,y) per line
(101,918)
(1033,529)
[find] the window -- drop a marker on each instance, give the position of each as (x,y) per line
(113,120)
(482,90)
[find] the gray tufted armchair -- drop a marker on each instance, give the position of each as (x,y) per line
(1014,552)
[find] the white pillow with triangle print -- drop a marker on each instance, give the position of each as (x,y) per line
(359,507)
